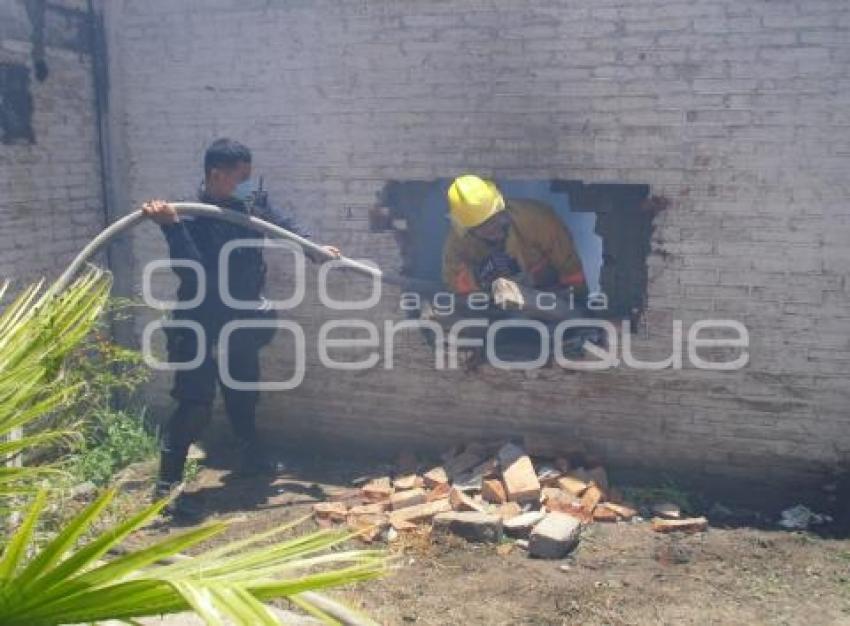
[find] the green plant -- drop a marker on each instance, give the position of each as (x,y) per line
(116,432)
(37,331)
(191,470)
(668,492)
(225,583)
(109,373)
(57,581)
(116,440)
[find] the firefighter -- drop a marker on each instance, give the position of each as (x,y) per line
(227,184)
(493,238)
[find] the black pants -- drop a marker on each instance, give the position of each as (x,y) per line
(194,389)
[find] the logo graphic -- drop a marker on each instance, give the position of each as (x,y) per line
(356,343)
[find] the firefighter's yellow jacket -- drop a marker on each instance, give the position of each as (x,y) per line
(537,239)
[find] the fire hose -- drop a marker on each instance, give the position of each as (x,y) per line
(196,209)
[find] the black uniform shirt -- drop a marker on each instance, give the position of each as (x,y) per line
(201,239)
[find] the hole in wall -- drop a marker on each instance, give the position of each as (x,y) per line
(610,225)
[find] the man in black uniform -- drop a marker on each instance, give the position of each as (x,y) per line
(227,173)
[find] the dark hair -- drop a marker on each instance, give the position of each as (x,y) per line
(225,153)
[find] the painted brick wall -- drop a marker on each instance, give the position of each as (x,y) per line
(50,190)
(735,110)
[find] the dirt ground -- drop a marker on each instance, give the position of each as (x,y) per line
(620,574)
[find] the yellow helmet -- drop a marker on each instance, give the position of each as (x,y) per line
(473,201)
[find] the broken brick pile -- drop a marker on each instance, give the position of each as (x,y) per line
(484,496)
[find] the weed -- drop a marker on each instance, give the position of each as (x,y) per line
(118,439)
(192,469)
(667,492)
(116,431)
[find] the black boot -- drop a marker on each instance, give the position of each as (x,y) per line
(172,461)
(180,509)
(253,459)
(169,481)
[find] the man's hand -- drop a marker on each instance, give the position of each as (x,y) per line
(160,212)
(315,257)
(333,251)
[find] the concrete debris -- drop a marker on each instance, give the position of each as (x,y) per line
(625,513)
(562,501)
(801,517)
(335,511)
(472,479)
(603,514)
(420,512)
(493,491)
(373,508)
(398,524)
(518,475)
(367,527)
(409,481)
(378,489)
(471,525)
(468,483)
(351,497)
(572,484)
(688,525)
(462,502)
(409,497)
(667,510)
(521,525)
(440,491)
(508,510)
(548,476)
(483,492)
(435,477)
(555,536)
(591,497)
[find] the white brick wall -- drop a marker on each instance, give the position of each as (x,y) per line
(50,191)
(736,110)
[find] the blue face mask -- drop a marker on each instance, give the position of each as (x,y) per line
(245,190)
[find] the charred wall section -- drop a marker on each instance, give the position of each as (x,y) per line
(51,200)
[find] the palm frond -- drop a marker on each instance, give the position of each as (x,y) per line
(37,331)
(64,584)
(60,581)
